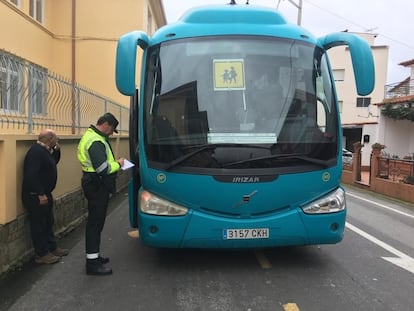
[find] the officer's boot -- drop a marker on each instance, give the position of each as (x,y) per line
(96,267)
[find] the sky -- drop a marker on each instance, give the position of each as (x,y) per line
(391,20)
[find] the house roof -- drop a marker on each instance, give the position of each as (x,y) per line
(396,100)
(407,63)
(400,84)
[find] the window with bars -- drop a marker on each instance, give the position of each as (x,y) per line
(37,90)
(10,81)
(363,101)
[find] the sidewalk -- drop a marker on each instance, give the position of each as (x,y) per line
(17,284)
(365,177)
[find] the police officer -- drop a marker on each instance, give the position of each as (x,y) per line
(99,169)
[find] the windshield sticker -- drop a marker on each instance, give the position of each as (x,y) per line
(228,74)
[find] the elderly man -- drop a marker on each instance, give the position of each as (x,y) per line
(39,180)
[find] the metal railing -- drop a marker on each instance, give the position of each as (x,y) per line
(398,170)
(399,89)
(32,98)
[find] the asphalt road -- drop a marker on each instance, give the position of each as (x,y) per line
(352,275)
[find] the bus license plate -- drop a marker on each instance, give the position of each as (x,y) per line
(239,234)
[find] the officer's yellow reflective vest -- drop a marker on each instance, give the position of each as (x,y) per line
(85,143)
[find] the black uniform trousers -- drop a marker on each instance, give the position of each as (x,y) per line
(41,219)
(98,199)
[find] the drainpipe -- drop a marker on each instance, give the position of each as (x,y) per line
(73,65)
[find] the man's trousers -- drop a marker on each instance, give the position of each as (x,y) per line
(98,200)
(41,219)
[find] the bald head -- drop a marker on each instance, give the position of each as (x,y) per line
(46,135)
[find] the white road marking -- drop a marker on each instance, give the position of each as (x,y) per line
(380,205)
(402,260)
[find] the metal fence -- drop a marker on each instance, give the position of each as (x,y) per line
(399,89)
(398,170)
(32,98)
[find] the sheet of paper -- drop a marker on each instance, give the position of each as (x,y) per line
(127,165)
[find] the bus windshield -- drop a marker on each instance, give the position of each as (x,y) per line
(239,102)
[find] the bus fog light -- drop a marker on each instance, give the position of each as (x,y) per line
(332,203)
(154,205)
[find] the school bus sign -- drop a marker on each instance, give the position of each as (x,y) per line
(228,74)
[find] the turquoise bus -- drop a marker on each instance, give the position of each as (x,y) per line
(235,130)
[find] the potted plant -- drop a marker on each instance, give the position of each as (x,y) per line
(377,146)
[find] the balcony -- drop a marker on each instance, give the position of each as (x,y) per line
(400,89)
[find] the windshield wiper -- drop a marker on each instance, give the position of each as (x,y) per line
(157,85)
(201,148)
(283,157)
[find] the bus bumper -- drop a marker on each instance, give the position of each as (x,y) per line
(198,230)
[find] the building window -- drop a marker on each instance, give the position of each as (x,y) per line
(37,90)
(10,82)
(339,74)
(363,101)
(36,9)
(341,105)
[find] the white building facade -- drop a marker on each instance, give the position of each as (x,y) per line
(360,115)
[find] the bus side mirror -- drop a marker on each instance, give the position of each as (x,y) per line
(362,60)
(126,60)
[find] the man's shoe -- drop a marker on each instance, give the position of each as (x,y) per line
(48,259)
(103,260)
(97,269)
(60,252)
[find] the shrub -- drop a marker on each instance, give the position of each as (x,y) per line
(378,146)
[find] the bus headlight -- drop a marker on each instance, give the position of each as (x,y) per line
(332,203)
(151,204)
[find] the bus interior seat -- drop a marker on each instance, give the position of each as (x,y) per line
(295,123)
(197,123)
(163,127)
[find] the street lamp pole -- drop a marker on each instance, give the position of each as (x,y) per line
(299,7)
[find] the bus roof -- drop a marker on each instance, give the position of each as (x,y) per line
(231,20)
